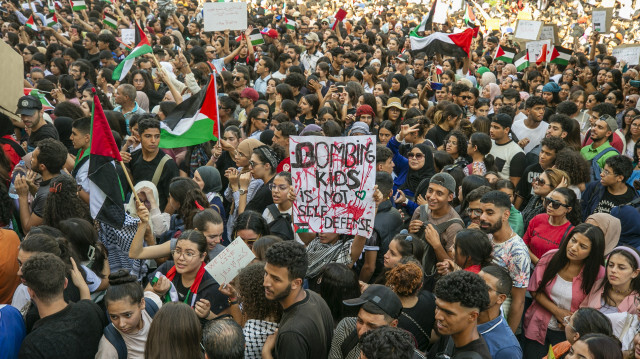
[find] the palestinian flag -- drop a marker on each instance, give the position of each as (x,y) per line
(505,54)
(291,24)
(521,60)
(194,121)
(256,37)
(106,198)
(46,105)
(543,55)
(51,20)
(110,21)
(340,15)
(30,24)
(469,17)
(427,23)
(560,55)
(457,45)
(143,47)
(78,5)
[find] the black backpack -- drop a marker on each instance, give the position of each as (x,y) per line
(113,335)
(281,224)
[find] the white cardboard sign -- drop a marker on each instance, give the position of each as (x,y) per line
(220,16)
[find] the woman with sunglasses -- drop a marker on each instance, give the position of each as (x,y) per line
(559,283)
(264,162)
(542,186)
(547,230)
(584,321)
(184,279)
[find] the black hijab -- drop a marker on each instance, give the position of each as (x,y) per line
(414,177)
(403,85)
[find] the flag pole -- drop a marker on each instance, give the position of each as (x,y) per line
(133,189)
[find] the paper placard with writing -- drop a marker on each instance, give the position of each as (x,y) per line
(228,263)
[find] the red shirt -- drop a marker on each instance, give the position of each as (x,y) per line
(285,165)
(542,237)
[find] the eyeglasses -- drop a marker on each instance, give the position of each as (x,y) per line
(417,156)
(238,78)
(263,120)
(605,173)
(276,188)
(554,203)
(567,323)
(476,212)
(539,181)
(187,255)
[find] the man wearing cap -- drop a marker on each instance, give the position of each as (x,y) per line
(30,111)
(532,130)
(437,212)
(359,129)
(248,97)
(310,57)
(401,68)
(460,297)
(601,133)
(379,307)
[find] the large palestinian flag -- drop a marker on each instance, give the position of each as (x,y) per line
(457,45)
(143,47)
(194,121)
(106,197)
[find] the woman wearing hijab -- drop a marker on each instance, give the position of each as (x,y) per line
(241,175)
(399,84)
(209,180)
(611,227)
(63,126)
(410,170)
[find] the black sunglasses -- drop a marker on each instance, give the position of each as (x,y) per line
(554,203)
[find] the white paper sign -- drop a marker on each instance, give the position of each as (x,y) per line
(608,3)
(528,30)
(128,36)
(548,33)
(440,15)
(601,20)
(228,263)
(630,54)
(220,16)
(535,49)
(456,5)
(333,178)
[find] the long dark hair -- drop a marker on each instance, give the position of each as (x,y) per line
(591,264)
(475,246)
(574,216)
(339,283)
(635,282)
(84,238)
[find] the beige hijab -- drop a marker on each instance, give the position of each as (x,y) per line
(611,227)
(246,148)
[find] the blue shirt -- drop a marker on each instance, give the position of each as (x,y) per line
(500,339)
(260,85)
(13,328)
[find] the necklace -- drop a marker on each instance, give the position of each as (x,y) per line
(625,292)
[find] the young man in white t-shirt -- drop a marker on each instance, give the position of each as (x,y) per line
(531,130)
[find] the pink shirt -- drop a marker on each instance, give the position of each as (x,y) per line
(594,299)
(536,320)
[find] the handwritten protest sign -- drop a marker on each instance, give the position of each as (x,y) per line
(220,16)
(534,49)
(128,36)
(528,30)
(228,263)
(601,20)
(333,178)
(628,53)
(11,72)
(549,32)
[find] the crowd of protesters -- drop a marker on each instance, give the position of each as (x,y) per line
(505,222)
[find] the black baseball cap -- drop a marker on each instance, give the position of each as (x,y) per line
(28,105)
(382,297)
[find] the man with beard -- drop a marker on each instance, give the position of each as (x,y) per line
(532,130)
(80,71)
(310,57)
(474,207)
(460,297)
(306,327)
(509,251)
(601,133)
(281,143)
(47,160)
(30,111)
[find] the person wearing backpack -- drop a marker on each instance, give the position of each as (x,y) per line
(611,190)
(601,149)
(130,311)
(278,214)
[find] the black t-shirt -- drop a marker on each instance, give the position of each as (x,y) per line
(37,206)
(46,131)
(208,289)
(609,200)
(142,170)
(419,320)
(437,135)
(305,330)
(261,199)
(73,332)
(524,188)
(478,346)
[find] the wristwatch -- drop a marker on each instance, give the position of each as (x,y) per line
(242,191)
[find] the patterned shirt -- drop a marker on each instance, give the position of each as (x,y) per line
(513,254)
(255,334)
(320,254)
